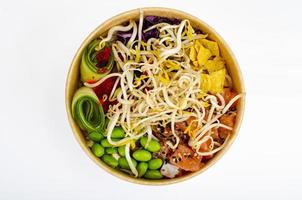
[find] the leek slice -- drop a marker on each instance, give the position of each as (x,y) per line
(89,70)
(87,111)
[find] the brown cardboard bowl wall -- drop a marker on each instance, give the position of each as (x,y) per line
(73,79)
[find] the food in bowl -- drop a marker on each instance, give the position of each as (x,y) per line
(155,99)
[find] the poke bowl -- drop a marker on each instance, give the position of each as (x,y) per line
(154,96)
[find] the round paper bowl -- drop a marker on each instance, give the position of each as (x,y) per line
(73,82)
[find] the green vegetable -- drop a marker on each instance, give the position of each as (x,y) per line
(153,174)
(142,155)
(121,150)
(95,136)
(89,69)
(153,146)
(86,110)
(155,163)
(142,169)
(110,160)
(97,150)
(105,143)
(117,132)
(123,163)
(111,150)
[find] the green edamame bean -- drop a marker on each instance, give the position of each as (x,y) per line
(142,155)
(111,150)
(142,169)
(123,163)
(155,163)
(97,150)
(153,174)
(105,143)
(118,132)
(121,150)
(95,136)
(153,146)
(110,160)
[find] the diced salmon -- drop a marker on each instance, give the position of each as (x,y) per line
(228,94)
(192,125)
(205,147)
(181,126)
(215,134)
(228,120)
(185,159)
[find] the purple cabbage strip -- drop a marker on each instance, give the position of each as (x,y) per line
(123,36)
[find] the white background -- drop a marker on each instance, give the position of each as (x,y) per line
(40,158)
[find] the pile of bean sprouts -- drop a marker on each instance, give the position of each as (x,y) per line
(168,90)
